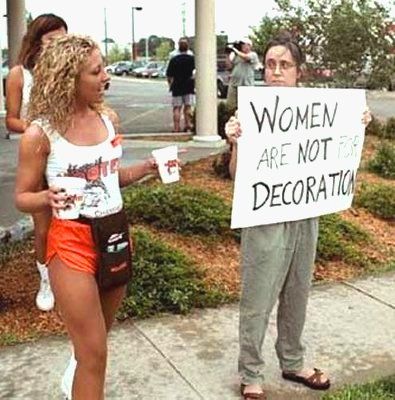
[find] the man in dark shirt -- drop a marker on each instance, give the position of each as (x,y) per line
(182,85)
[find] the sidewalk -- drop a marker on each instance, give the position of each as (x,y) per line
(349,333)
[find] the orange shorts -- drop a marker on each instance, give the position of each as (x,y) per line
(72,242)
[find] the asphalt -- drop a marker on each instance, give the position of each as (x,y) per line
(349,333)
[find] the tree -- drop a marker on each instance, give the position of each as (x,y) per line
(163,51)
(117,54)
(348,37)
(154,42)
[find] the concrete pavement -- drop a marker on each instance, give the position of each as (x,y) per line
(349,333)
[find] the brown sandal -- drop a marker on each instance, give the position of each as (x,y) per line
(252,396)
(313,381)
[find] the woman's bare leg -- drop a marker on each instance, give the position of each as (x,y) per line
(79,301)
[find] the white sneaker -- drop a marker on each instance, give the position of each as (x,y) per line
(45,300)
(66,384)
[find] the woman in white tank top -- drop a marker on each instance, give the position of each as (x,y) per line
(19,82)
(72,135)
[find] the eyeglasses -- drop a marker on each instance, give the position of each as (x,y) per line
(282,65)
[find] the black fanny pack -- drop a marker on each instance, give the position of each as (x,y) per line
(111,237)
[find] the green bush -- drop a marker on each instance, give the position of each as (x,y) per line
(383,162)
(164,280)
(389,129)
(375,127)
(341,240)
(379,199)
(178,208)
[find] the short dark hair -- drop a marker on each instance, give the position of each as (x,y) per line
(183,45)
(286,39)
(31,42)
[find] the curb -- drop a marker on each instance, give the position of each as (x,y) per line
(18,231)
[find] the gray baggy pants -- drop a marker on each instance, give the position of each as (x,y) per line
(277,262)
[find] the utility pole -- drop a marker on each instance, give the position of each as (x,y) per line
(146,49)
(105,35)
(183,19)
(133,45)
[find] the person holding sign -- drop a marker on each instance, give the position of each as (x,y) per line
(72,144)
(277,261)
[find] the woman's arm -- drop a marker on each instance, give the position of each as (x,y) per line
(14,93)
(128,175)
(32,160)
(233,131)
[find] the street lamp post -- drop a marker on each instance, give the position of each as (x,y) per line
(133,45)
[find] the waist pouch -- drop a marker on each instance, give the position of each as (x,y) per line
(111,237)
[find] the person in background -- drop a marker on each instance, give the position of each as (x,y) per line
(176,51)
(243,62)
(182,86)
(72,133)
(41,30)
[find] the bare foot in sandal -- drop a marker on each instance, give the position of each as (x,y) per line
(313,378)
(252,392)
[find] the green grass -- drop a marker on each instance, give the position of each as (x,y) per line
(380,390)
(9,339)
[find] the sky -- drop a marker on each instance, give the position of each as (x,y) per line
(158,17)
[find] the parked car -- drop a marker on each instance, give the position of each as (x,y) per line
(111,68)
(151,70)
(123,68)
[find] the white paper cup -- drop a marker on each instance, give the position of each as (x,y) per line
(74,189)
(167,159)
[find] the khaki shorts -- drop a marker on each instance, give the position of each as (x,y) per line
(186,99)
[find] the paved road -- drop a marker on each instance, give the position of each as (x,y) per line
(144,105)
(382,104)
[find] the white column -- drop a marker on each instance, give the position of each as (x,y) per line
(206,72)
(16,27)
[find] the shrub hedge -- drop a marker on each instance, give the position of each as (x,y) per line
(341,240)
(178,208)
(379,199)
(383,162)
(164,280)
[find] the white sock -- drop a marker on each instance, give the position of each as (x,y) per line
(42,269)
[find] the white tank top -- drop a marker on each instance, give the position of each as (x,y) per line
(98,164)
(27,85)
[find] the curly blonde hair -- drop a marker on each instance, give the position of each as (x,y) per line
(55,79)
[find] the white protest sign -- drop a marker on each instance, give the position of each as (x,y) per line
(298,154)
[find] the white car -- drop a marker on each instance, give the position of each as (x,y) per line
(111,68)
